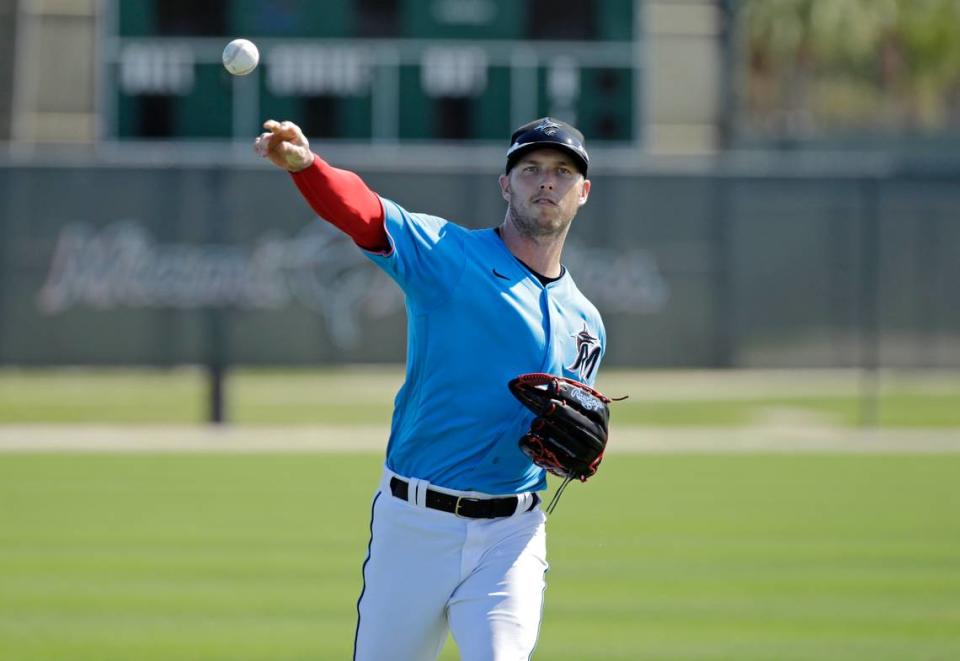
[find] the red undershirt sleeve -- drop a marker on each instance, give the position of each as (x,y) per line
(344,200)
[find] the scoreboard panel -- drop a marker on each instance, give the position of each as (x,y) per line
(372,70)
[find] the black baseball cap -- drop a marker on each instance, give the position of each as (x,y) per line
(547,132)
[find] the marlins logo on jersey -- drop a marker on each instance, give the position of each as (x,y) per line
(588,354)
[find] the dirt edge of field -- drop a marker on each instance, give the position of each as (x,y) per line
(240,439)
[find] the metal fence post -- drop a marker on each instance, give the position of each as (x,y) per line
(724,308)
(216,336)
(869,316)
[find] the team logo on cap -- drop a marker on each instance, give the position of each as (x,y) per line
(588,354)
(547,127)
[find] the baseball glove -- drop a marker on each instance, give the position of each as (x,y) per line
(569,434)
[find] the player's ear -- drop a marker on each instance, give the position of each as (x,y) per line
(584,192)
(504,182)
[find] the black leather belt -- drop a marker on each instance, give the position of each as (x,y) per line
(470,508)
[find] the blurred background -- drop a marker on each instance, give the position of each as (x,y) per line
(776,180)
(772,239)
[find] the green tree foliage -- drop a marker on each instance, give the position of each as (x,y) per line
(891,64)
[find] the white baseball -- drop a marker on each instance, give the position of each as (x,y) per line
(240,57)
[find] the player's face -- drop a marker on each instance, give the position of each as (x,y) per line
(544,191)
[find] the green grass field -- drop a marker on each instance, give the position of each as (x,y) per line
(363,395)
(249,557)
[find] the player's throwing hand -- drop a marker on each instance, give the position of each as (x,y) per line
(284,145)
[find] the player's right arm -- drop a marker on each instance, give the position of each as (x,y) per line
(338,196)
(423,254)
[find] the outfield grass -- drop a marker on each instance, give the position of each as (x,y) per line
(227,557)
(357,395)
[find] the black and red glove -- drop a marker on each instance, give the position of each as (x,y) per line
(569,434)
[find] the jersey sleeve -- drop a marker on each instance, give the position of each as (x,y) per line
(425,256)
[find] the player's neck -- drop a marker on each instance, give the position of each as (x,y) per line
(542,254)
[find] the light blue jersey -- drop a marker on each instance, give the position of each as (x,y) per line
(477,318)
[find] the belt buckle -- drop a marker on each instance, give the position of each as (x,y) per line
(456,508)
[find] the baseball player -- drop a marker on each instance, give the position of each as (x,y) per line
(457,533)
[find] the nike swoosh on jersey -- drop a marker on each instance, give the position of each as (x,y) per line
(499,275)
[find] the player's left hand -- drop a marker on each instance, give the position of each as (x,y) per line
(284,145)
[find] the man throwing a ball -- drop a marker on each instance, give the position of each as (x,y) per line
(457,533)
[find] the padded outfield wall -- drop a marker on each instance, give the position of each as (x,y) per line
(711,265)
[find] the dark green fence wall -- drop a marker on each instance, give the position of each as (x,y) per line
(164,266)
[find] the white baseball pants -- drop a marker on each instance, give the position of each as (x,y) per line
(429,572)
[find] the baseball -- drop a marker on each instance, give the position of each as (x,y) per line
(240,57)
